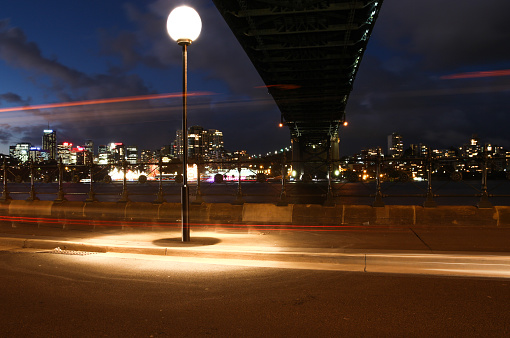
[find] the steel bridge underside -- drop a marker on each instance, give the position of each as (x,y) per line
(307,53)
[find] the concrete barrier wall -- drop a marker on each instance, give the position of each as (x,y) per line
(94,214)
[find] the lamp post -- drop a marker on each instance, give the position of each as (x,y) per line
(184,26)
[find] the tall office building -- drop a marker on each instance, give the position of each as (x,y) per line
(79,155)
(102,154)
(146,155)
(395,145)
(89,147)
(207,144)
(65,152)
(36,154)
(132,154)
(49,143)
(474,148)
(215,143)
(178,144)
(419,150)
(21,151)
(196,137)
(117,152)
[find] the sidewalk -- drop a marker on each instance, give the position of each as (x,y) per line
(466,251)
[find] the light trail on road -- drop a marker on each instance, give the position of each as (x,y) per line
(196,226)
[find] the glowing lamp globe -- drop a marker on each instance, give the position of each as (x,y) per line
(184,25)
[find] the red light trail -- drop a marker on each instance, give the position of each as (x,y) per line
(172,225)
(100,101)
(473,75)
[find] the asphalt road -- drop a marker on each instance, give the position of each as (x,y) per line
(63,295)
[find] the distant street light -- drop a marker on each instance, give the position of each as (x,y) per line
(184,26)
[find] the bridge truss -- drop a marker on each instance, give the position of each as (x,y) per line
(307,52)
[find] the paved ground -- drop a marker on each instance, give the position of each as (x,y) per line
(469,251)
(47,294)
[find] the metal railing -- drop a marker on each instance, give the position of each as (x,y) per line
(375,181)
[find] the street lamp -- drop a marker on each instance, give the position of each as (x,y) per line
(184,26)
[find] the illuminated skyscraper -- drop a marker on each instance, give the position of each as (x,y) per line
(132,154)
(474,148)
(117,152)
(179,146)
(146,155)
(395,145)
(196,136)
(49,143)
(20,151)
(64,152)
(207,144)
(89,147)
(102,154)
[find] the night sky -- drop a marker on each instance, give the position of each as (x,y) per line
(434,71)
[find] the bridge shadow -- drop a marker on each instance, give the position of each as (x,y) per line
(195,241)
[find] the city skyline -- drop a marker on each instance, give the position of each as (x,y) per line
(436,83)
(209,145)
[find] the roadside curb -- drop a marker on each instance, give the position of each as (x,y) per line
(454,264)
(284,256)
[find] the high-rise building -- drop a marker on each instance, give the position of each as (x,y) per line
(21,151)
(113,153)
(132,154)
(117,152)
(215,144)
(196,136)
(419,150)
(146,155)
(49,143)
(64,150)
(395,145)
(493,150)
(79,155)
(473,149)
(179,146)
(102,154)
(89,147)
(206,144)
(36,154)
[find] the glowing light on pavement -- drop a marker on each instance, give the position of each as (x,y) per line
(440,264)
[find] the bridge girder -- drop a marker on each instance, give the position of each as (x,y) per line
(307,52)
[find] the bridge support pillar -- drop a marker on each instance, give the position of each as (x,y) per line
(314,161)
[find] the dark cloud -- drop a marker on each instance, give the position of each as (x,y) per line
(5,134)
(216,58)
(399,87)
(11,98)
(18,52)
(124,44)
(69,84)
(423,109)
(445,35)
(216,52)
